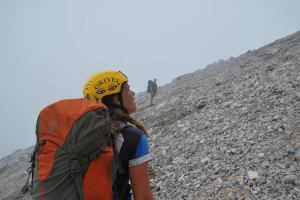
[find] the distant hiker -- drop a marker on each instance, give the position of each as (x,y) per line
(90,148)
(152,89)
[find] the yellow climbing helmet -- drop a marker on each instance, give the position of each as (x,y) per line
(102,84)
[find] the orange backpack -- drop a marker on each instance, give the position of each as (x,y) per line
(74,157)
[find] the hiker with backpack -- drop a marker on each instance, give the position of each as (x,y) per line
(152,89)
(91,148)
(112,89)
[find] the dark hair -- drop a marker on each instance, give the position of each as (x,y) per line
(119,113)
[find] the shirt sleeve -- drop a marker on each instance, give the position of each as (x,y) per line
(142,153)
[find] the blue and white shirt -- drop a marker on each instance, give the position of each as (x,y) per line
(132,146)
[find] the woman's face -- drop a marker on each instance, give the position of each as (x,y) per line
(128,99)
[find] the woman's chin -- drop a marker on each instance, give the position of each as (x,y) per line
(133,110)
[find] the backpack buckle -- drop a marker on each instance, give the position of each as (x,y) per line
(96,154)
(75,166)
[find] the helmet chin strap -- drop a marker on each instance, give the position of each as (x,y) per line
(121,102)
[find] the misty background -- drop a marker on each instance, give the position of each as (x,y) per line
(48,48)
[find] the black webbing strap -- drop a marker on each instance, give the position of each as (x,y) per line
(76,175)
(30,170)
(93,156)
(117,165)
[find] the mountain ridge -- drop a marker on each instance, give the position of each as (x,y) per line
(228,131)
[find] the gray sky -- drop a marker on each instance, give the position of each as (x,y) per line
(48,48)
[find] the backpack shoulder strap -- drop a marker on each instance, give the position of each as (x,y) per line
(118,126)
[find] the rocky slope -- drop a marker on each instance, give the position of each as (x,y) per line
(229,131)
(13,174)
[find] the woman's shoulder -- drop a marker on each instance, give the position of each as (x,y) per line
(133,131)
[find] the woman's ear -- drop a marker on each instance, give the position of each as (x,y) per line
(116,100)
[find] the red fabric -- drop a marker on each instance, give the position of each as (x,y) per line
(97,183)
(46,159)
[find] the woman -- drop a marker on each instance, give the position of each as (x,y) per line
(111,88)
